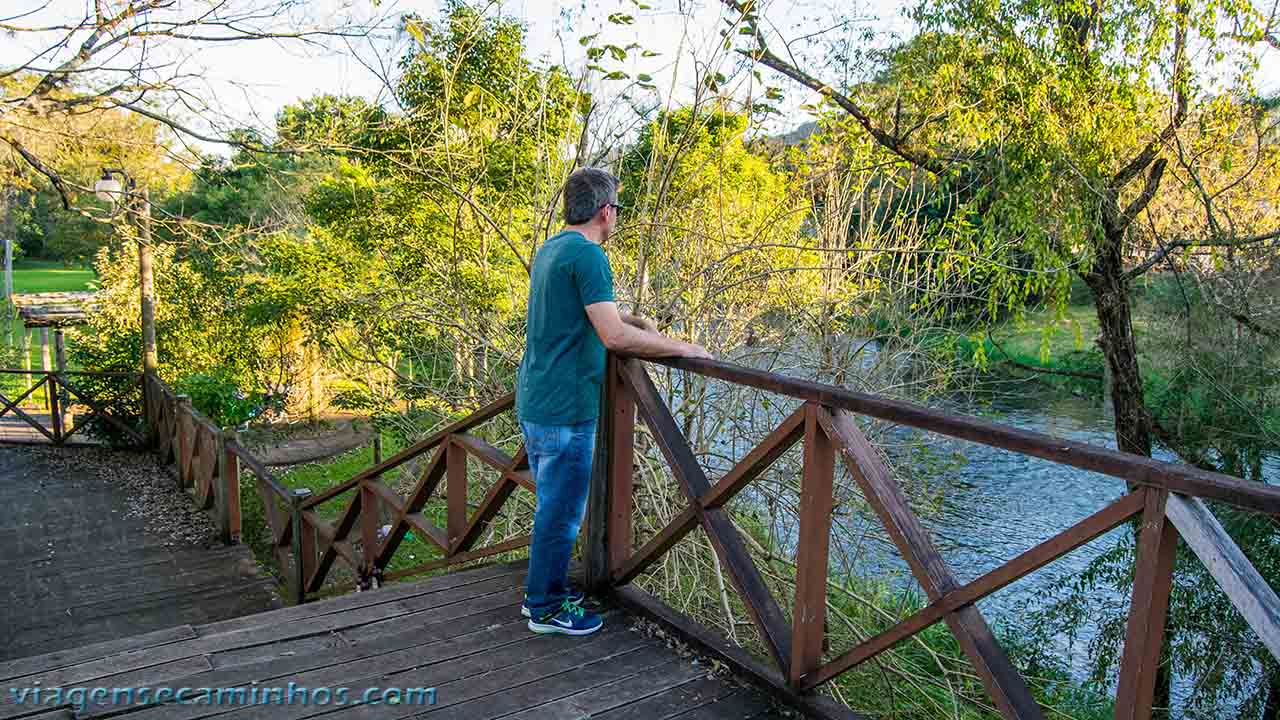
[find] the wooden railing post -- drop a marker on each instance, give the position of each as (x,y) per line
(149,413)
(370,521)
(181,422)
(456,492)
(298,586)
(228,498)
(621,401)
(813,548)
(1144,635)
(595,551)
(53,390)
(60,367)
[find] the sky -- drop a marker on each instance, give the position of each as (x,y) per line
(250,82)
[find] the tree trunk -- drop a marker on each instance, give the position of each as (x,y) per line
(1111,296)
(1134,428)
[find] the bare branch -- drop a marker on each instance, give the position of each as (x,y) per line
(41,168)
(893,142)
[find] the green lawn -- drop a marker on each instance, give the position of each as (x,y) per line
(39,276)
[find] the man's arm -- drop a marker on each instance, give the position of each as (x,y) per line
(622,337)
(636,321)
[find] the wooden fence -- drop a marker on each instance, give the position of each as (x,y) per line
(1165,500)
(60,407)
(198,450)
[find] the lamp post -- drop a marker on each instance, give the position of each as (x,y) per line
(137,204)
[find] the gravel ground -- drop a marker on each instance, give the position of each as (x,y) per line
(152,491)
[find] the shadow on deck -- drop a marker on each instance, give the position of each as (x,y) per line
(460,634)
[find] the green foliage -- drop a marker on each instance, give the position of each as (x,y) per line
(713,225)
(216,395)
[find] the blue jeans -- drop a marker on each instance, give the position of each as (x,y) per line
(560,459)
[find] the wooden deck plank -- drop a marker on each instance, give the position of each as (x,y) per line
(261,638)
(674,700)
(480,695)
(287,657)
(620,692)
(746,704)
(349,667)
(32,665)
(390,593)
(524,650)
(410,622)
(153,675)
(515,695)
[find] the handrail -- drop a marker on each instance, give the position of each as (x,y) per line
(82,373)
(1184,479)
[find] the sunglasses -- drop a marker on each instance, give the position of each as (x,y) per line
(617,207)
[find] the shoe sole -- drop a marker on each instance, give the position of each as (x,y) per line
(542,629)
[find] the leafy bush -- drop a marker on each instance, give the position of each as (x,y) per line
(218,397)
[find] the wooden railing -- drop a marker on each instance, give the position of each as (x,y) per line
(56,408)
(1164,499)
(197,447)
(354,540)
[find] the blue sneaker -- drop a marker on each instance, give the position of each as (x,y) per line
(570,620)
(577,597)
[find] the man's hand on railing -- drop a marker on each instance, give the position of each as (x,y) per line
(633,336)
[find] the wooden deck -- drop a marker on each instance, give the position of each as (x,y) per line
(459,633)
(81,564)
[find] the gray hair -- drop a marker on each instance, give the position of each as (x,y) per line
(585,192)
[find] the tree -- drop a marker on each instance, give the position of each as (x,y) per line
(122,56)
(1074,123)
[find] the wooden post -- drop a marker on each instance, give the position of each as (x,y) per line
(146,283)
(229,500)
(182,453)
(60,364)
(51,389)
(595,551)
(1144,634)
(8,286)
(27,342)
(370,521)
(300,563)
(813,546)
(622,431)
(46,365)
(456,492)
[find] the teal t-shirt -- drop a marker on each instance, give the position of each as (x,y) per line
(563,365)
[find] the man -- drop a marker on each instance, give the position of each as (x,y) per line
(572,319)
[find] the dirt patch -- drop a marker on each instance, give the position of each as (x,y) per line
(277,445)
